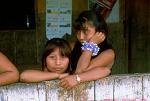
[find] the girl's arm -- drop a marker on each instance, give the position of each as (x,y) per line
(83,61)
(37,76)
(104,59)
(99,67)
(93,74)
(8,71)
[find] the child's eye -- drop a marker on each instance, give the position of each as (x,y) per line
(85,31)
(51,56)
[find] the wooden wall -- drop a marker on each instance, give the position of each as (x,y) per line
(77,7)
(138,25)
(24,47)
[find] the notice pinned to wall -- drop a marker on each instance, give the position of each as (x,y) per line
(58,18)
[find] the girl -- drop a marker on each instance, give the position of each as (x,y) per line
(55,62)
(92,56)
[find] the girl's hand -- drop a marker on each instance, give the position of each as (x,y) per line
(63,75)
(68,82)
(98,38)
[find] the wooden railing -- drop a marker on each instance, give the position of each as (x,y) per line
(133,87)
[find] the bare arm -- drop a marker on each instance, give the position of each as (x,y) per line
(98,68)
(105,59)
(8,72)
(85,59)
(94,74)
(38,76)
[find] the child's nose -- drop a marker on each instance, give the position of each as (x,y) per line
(81,35)
(58,61)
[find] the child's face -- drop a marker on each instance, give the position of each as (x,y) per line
(86,33)
(56,62)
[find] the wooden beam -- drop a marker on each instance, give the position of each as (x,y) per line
(131,87)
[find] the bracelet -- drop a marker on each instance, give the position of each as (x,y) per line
(78,78)
(93,47)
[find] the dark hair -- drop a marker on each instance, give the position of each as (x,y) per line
(54,43)
(99,23)
(91,16)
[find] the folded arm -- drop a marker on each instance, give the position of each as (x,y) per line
(104,59)
(38,76)
(98,68)
(8,72)
(94,74)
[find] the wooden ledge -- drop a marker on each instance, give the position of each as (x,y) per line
(133,87)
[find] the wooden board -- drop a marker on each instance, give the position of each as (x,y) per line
(127,88)
(104,89)
(113,88)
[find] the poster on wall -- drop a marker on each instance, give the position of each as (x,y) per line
(58,18)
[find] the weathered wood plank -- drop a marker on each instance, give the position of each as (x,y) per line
(127,88)
(84,92)
(2,93)
(56,93)
(104,89)
(113,88)
(23,92)
(41,88)
(146,88)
